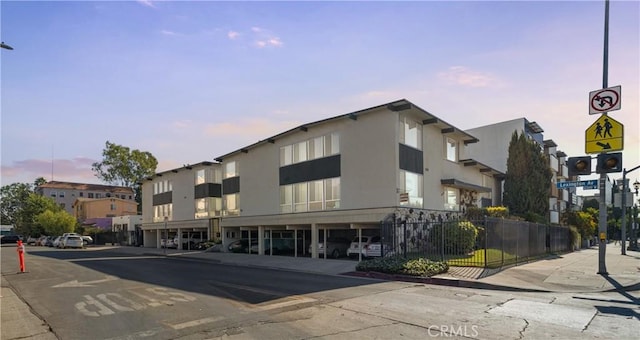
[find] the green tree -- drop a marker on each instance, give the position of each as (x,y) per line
(584,221)
(56,223)
(34,206)
(125,167)
(14,197)
(528,179)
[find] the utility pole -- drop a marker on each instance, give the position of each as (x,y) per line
(602,223)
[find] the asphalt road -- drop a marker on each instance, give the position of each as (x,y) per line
(85,294)
(88,294)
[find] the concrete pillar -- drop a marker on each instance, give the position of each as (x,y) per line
(179,245)
(359,244)
(260,240)
(223,237)
(324,245)
(295,243)
(158,239)
(314,241)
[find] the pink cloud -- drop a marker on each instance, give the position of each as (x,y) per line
(71,170)
(461,75)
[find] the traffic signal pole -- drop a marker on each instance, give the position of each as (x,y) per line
(602,224)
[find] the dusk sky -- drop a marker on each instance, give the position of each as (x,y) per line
(190,81)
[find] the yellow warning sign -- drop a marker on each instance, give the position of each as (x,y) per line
(604,135)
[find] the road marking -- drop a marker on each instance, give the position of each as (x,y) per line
(288,301)
(114,258)
(75,283)
(284,301)
(134,305)
(194,323)
(102,309)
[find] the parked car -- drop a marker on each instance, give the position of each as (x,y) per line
(336,247)
(10,239)
(242,246)
(48,241)
(72,241)
(165,244)
(56,242)
(188,242)
(375,249)
(31,240)
(40,241)
(87,240)
(366,240)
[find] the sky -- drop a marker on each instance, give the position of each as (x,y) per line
(189,81)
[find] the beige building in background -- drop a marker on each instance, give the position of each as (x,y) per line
(66,193)
(86,208)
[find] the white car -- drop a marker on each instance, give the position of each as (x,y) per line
(72,241)
(366,240)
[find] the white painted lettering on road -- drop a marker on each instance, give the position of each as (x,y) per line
(102,309)
(119,303)
(134,305)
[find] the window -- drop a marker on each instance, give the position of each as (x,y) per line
(108,194)
(160,211)
(451,199)
(81,194)
(286,199)
(113,206)
(410,132)
(412,184)
(316,148)
(332,193)
(300,152)
(316,193)
(53,194)
(200,177)
(61,194)
(332,145)
(98,195)
(232,204)
(208,207)
(451,149)
(230,169)
(90,195)
(300,197)
(286,155)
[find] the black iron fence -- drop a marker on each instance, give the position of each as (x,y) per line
(488,243)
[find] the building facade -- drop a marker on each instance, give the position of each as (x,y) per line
(183,201)
(88,208)
(128,229)
(494,150)
(66,193)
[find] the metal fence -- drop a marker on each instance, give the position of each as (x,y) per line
(488,243)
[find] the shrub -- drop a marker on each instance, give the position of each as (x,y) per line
(459,238)
(399,265)
(498,211)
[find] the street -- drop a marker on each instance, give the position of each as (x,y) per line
(106,294)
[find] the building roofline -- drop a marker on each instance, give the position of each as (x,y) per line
(398,105)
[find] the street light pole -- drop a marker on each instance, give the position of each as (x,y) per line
(623,205)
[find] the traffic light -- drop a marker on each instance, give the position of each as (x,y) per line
(609,162)
(579,165)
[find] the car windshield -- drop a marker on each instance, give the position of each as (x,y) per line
(73,237)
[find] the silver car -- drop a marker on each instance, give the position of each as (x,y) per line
(336,247)
(72,241)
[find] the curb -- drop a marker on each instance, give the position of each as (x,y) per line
(454,282)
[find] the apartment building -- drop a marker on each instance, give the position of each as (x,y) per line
(494,150)
(90,208)
(185,201)
(66,193)
(342,175)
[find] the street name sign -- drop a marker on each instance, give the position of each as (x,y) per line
(605,100)
(588,184)
(604,135)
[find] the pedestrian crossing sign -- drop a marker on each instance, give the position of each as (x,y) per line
(604,135)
